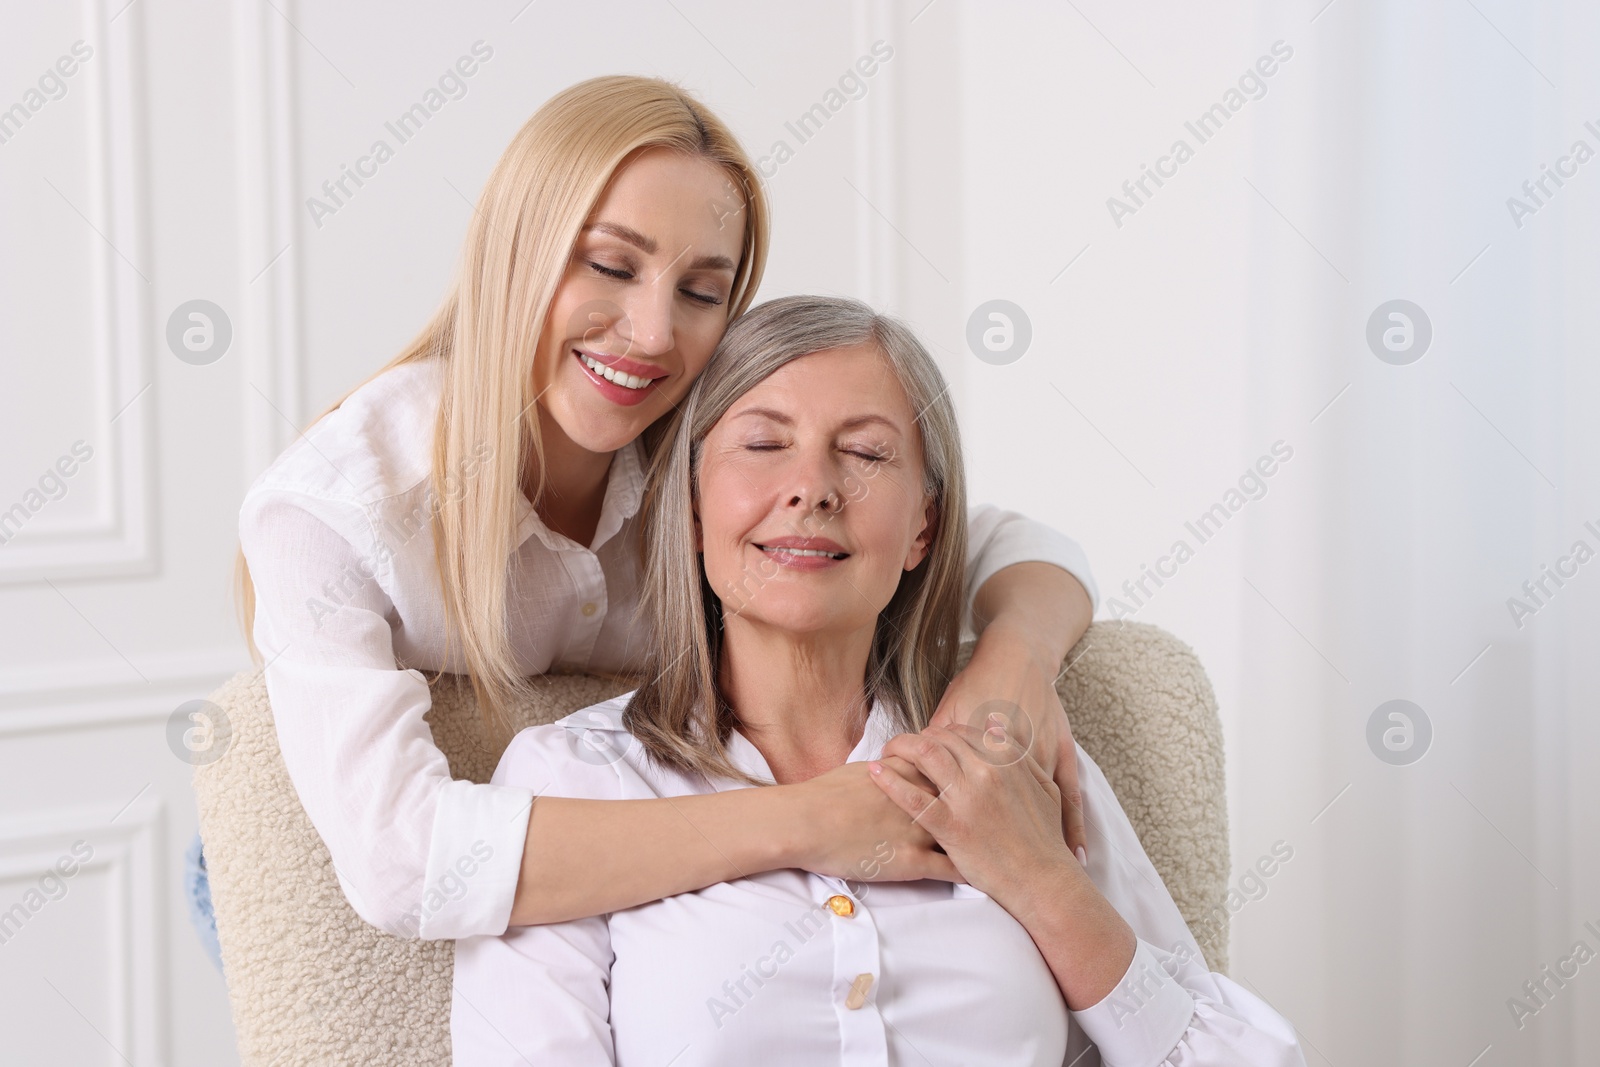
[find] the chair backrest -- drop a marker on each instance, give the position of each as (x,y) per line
(311,983)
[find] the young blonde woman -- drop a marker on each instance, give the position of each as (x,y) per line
(472,508)
(849,639)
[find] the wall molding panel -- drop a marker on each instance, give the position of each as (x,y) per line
(268,322)
(127,845)
(119,539)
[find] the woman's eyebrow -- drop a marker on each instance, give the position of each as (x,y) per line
(626,233)
(648,246)
(765,413)
(865,420)
(849,424)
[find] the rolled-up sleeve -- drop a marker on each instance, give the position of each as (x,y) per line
(997,538)
(1169,1008)
(404,837)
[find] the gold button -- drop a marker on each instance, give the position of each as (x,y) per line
(842,906)
(590,608)
(858,991)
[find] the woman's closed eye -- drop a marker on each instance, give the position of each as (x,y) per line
(862,452)
(622,274)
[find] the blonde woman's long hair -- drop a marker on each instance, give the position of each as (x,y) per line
(678,714)
(518,245)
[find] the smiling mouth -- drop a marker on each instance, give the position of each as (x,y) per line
(611,374)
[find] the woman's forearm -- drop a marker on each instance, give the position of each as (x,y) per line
(1028,617)
(592,857)
(1086,943)
(1033,605)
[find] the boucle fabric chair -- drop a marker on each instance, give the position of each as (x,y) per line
(311,983)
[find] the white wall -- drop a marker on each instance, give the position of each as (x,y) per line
(1222,316)
(1226,314)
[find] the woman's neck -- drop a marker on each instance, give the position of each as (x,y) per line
(800,699)
(574,489)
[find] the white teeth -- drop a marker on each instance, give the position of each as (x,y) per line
(802,552)
(627,381)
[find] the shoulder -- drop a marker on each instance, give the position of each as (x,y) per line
(589,753)
(377,444)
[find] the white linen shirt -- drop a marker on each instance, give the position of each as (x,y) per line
(338,538)
(762,969)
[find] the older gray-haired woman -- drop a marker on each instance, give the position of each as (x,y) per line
(805,558)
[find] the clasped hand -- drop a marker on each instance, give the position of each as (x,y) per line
(985,800)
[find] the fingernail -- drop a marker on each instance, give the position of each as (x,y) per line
(874,767)
(1083,857)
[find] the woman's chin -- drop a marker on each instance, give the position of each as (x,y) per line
(802,622)
(603,430)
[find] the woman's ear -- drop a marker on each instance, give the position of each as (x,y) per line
(924,539)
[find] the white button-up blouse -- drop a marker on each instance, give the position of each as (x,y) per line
(790,968)
(349,613)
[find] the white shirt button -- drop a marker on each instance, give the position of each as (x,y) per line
(590,608)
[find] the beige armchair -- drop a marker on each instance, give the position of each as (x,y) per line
(311,983)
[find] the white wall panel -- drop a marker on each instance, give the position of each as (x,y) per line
(77,300)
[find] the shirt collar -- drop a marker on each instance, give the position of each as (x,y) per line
(624,494)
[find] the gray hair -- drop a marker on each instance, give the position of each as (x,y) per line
(678,713)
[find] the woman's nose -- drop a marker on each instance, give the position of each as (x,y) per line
(647,320)
(823,501)
(815,487)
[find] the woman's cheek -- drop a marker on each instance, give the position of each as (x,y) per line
(724,569)
(892,519)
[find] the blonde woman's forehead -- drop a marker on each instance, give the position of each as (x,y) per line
(672,201)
